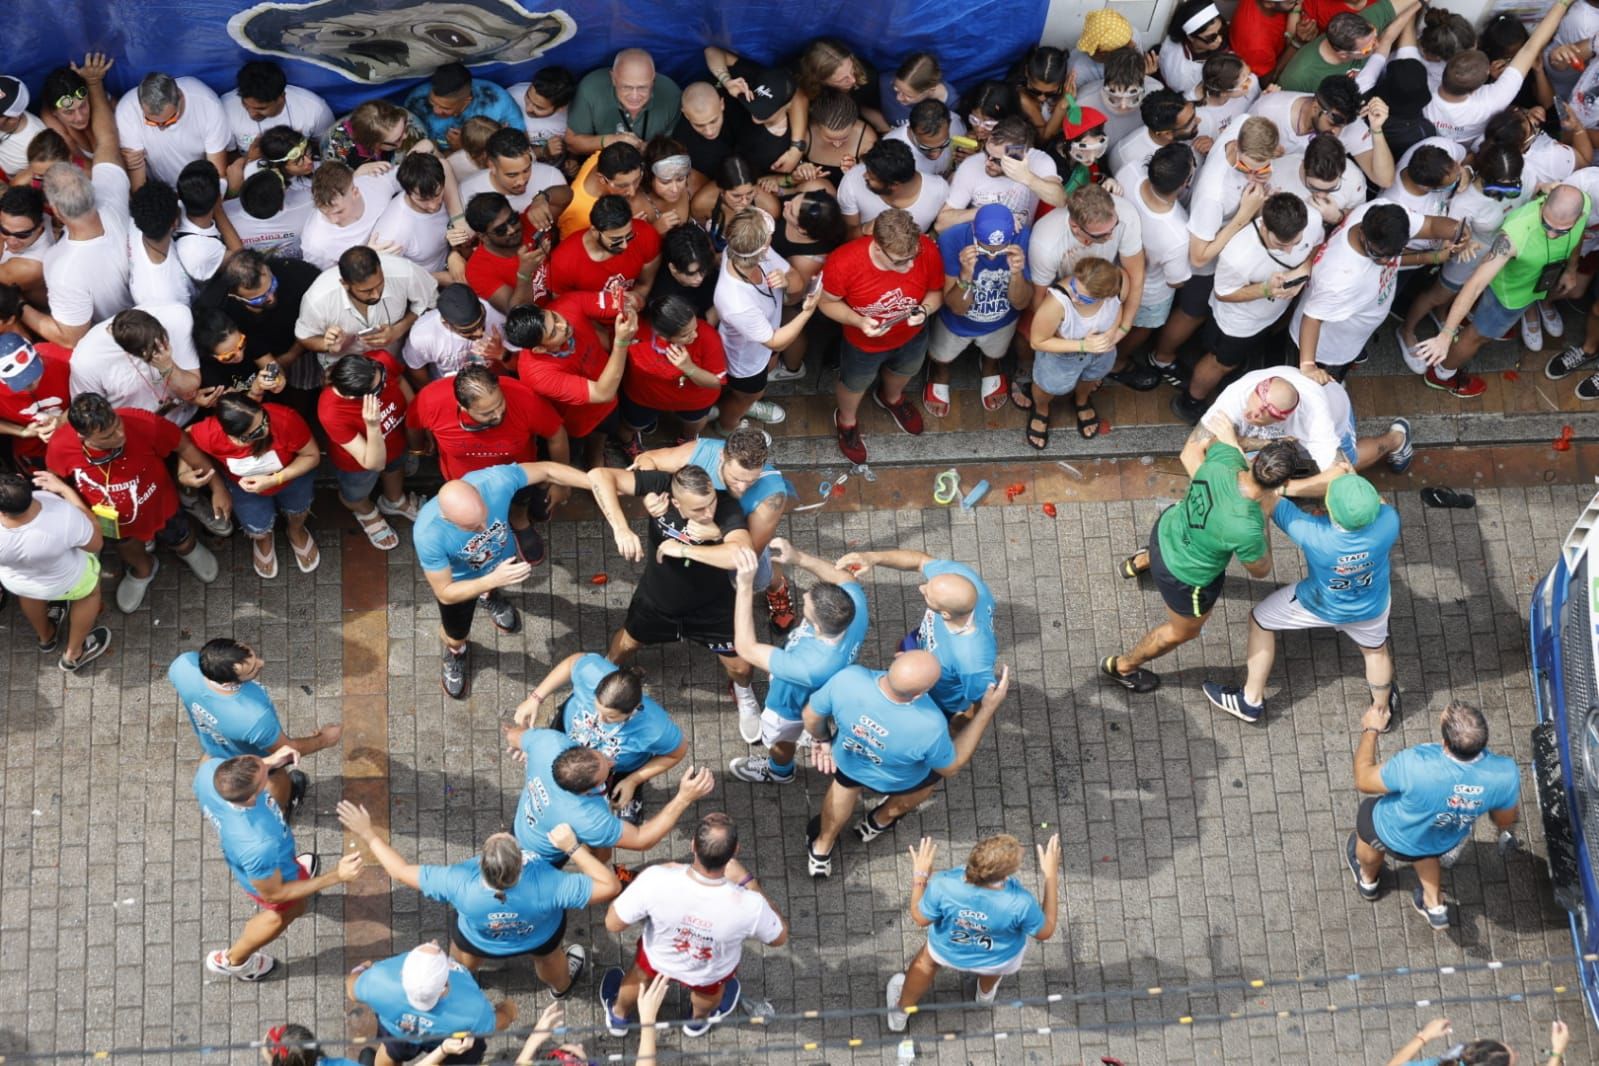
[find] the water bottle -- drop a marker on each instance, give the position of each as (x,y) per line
(907,1051)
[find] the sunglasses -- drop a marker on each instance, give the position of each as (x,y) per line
(1125,97)
(1040,94)
(506,228)
(1492,190)
(162,124)
(1092,237)
(1079,295)
(259,301)
(22,233)
(72,99)
(106,459)
(261,432)
(232,353)
(293,154)
(619,242)
(1254,172)
(1557,231)
(931,150)
(1208,38)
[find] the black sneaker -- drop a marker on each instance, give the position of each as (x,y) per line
(55,613)
(1588,388)
(1230,698)
(1367,892)
(1171,374)
(531,545)
(506,618)
(1187,408)
(1139,681)
(94,646)
(298,783)
(1570,359)
(1137,377)
(453,676)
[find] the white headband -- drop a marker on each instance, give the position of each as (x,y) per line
(1199,18)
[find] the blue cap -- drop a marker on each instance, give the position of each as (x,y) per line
(994,225)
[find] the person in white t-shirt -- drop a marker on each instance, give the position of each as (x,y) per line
(18,126)
(887,177)
(49,552)
(1156,194)
(460,329)
(1258,274)
(1168,119)
(264,98)
(1007,170)
(927,135)
(167,123)
(417,221)
(544,102)
(26,239)
(143,357)
(1227,89)
(205,235)
(696,918)
(1466,98)
(1324,177)
(1428,177)
(1118,97)
(516,175)
(348,206)
(157,276)
(751,289)
(1335,107)
(263,220)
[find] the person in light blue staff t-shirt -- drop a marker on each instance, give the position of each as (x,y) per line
(978,918)
(958,626)
(422,997)
(609,712)
(1474,1052)
(879,729)
(566,783)
(827,640)
(507,903)
(1422,803)
(1346,588)
(231,713)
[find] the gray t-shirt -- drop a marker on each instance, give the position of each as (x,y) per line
(45,558)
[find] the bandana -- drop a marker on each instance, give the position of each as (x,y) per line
(1204,15)
(1262,391)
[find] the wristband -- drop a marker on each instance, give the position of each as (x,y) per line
(721,78)
(1369,729)
(919,877)
(747,879)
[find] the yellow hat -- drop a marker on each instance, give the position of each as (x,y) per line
(1104,31)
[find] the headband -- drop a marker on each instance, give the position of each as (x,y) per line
(274,1043)
(672,166)
(1199,18)
(1263,392)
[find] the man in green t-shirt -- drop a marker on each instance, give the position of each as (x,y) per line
(1224,514)
(1349,42)
(629,102)
(1534,256)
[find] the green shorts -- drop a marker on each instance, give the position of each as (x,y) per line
(85,584)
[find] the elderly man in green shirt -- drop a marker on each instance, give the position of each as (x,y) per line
(629,102)
(1534,256)
(1224,514)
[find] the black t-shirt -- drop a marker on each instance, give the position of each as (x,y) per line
(679,587)
(706,154)
(702,296)
(268,330)
(754,141)
(233,377)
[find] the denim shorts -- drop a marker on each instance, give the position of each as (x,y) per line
(857,369)
(1492,318)
(257,514)
(355,486)
(1058,373)
(1154,315)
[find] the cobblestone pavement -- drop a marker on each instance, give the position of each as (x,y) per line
(1197,850)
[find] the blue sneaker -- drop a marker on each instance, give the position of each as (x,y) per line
(1230,698)
(610,988)
(1399,458)
(1368,890)
(1437,917)
(729,1003)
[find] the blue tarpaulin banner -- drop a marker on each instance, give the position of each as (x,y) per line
(352,50)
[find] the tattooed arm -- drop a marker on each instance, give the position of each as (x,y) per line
(1195,447)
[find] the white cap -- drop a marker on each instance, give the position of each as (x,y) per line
(425,975)
(13,96)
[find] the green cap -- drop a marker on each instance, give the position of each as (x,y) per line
(1353,502)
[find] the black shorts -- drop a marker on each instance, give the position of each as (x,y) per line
(1183,598)
(753,385)
(1193,297)
(405,1050)
(1233,352)
(456,618)
(1366,830)
(849,782)
(639,417)
(710,625)
(549,946)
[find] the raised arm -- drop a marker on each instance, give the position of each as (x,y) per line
(745,643)
(102,112)
(858,563)
(559,677)
(355,818)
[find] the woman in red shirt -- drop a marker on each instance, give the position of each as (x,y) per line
(676,364)
(362,412)
(268,456)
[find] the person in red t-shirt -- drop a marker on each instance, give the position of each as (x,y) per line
(35,388)
(1260,30)
(478,419)
(612,254)
(676,364)
(505,269)
(883,289)
(362,411)
(268,457)
(563,361)
(116,459)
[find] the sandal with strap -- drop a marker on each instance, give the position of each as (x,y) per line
(1087,425)
(265,563)
(1129,566)
(935,398)
(378,531)
(1037,432)
(310,557)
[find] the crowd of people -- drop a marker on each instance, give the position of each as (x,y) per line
(203,297)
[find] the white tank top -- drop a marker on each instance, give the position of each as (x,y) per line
(1075,325)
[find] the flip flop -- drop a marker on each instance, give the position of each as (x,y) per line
(1021,395)
(1440,497)
(994,389)
(935,399)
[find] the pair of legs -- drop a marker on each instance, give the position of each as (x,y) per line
(257,514)
(839,803)
(80,619)
(1190,310)
(738,396)
(1429,870)
(1082,401)
(945,346)
(355,494)
(265,926)
(551,966)
(1074,375)
(139,561)
(1283,612)
(893,369)
(1179,628)
(919,978)
(703,1000)
(623,645)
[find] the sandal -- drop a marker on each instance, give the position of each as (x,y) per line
(265,563)
(935,398)
(1037,438)
(1087,427)
(1129,566)
(378,531)
(1436,497)
(994,388)
(1021,394)
(310,557)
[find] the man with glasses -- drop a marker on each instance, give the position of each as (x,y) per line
(1324,177)
(263,98)
(1118,97)
(615,255)
(1534,257)
(629,102)
(1348,43)
(1168,119)
(561,359)
(1007,170)
(167,123)
(367,303)
(887,177)
(451,96)
(503,269)
(461,329)
(262,297)
(928,135)
(1335,107)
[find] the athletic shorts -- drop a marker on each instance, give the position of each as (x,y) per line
(1282,611)
(946,345)
(775,729)
(710,626)
(642,961)
(849,782)
(1233,352)
(1193,298)
(998,969)
(279,908)
(546,948)
(1187,600)
(751,385)
(1366,830)
(401,1050)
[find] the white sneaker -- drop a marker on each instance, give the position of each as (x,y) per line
(783,373)
(131,590)
(1413,361)
(1531,332)
(768,412)
(1553,324)
(255,967)
(202,562)
(757,769)
(988,998)
(749,713)
(897,1019)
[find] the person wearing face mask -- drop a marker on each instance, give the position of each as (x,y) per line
(928,133)
(459,330)
(663,198)
(367,302)
(1168,119)
(1197,31)
(1120,93)
(616,254)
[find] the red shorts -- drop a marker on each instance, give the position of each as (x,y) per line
(279,908)
(642,961)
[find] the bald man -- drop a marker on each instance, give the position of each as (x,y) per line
(957,627)
(1282,403)
(708,130)
(1533,257)
(469,552)
(880,729)
(629,102)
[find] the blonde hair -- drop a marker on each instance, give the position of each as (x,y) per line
(475,134)
(1091,203)
(748,233)
(1258,138)
(897,233)
(997,857)
(820,60)
(1097,277)
(371,120)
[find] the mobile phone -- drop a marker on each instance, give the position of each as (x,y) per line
(1294,283)
(968,143)
(1016,151)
